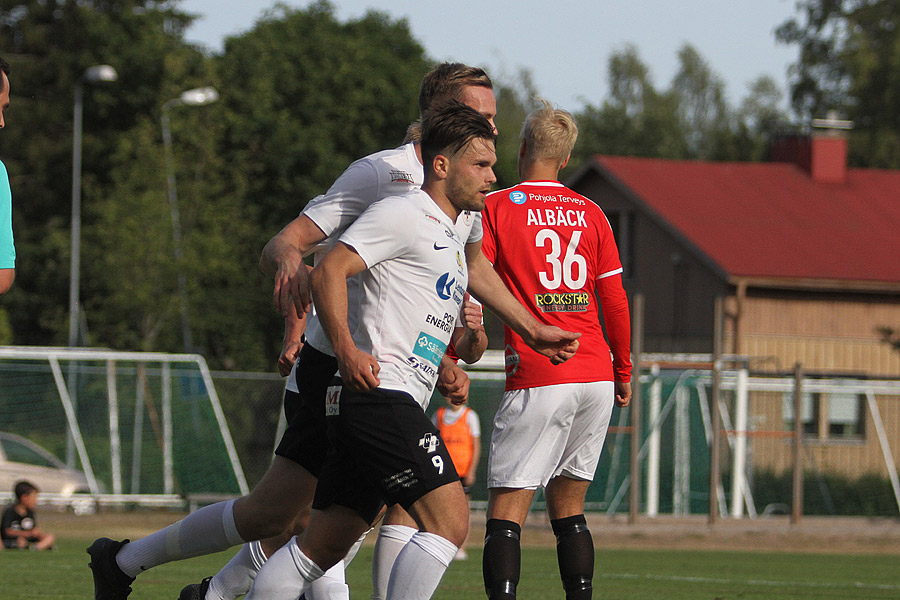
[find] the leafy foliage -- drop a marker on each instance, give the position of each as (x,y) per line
(302,94)
(850,62)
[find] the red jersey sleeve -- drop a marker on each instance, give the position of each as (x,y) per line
(614,304)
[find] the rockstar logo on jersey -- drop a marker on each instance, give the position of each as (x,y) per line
(562,302)
(430,442)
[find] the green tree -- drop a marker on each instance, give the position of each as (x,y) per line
(848,61)
(760,116)
(702,109)
(636,119)
(49,45)
(303,96)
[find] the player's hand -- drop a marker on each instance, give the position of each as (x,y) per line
(471,315)
(288,357)
(359,371)
(557,344)
(468,479)
(453,383)
(623,393)
(292,285)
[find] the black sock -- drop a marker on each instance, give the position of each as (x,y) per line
(502,559)
(575,552)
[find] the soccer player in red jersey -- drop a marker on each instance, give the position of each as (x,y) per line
(554,249)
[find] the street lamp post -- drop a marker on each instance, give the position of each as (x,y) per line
(194,97)
(91,75)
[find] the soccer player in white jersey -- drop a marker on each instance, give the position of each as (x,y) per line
(414,263)
(286,490)
(555,251)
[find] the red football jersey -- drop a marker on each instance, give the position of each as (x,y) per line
(554,249)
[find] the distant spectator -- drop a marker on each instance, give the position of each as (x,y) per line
(461,432)
(19,526)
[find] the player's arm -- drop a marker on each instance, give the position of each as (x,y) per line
(283,258)
(614,304)
(452,382)
(294,327)
(328,282)
(486,286)
(470,340)
(469,478)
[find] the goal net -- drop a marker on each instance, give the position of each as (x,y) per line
(132,427)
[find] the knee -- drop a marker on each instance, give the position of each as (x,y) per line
(457,533)
(256,521)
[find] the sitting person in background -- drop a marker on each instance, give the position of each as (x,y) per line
(19,527)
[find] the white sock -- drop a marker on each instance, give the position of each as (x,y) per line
(330,586)
(210,529)
(285,576)
(420,567)
(235,578)
(391,540)
(351,553)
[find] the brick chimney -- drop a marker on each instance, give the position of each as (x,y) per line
(823,154)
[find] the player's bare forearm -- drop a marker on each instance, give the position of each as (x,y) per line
(453,382)
(470,340)
(623,393)
(283,258)
(294,327)
(484,283)
(328,282)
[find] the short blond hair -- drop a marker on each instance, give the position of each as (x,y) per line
(549,133)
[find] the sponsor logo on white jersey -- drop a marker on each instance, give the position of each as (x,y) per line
(430,442)
(398,176)
(333,401)
(444,287)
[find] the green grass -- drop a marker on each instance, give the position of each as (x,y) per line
(621,575)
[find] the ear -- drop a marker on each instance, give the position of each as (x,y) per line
(565,162)
(441,166)
(522,149)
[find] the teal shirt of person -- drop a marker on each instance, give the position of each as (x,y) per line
(7,248)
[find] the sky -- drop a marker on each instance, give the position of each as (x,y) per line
(565,44)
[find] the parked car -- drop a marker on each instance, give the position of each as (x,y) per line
(20,458)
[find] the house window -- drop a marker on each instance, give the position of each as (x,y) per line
(809,412)
(622,223)
(846,416)
(828,416)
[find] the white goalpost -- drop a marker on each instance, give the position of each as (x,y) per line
(157,413)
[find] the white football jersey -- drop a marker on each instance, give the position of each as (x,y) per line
(412,289)
(385,173)
(367,180)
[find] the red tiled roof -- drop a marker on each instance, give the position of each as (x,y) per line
(772,219)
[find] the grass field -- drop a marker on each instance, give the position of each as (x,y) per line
(672,574)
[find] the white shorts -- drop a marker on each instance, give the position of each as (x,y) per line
(543,432)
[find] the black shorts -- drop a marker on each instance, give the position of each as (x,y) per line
(384,449)
(305,441)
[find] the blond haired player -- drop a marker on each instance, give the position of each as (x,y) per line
(555,251)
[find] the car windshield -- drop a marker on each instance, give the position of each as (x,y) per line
(16,452)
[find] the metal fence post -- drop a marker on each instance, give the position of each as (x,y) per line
(715,417)
(797,496)
(637,347)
